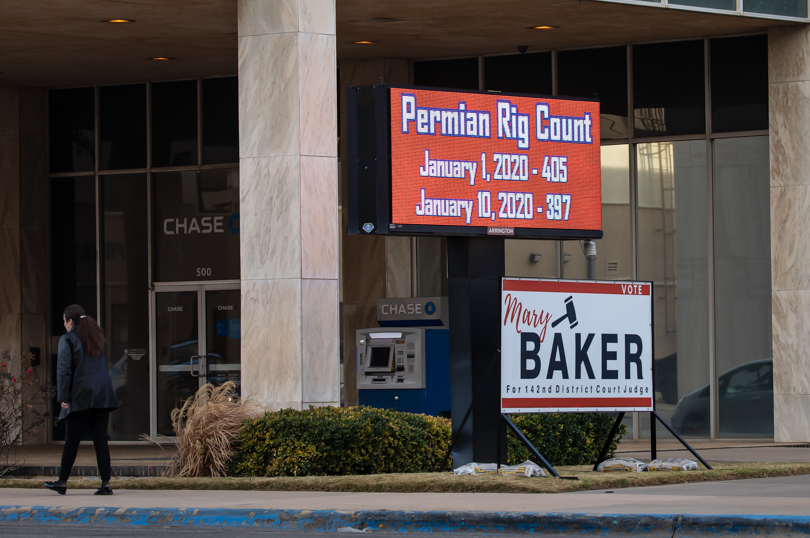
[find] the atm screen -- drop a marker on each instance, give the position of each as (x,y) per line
(380,358)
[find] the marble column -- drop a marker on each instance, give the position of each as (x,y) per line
(288,202)
(789,109)
(374,267)
(23,210)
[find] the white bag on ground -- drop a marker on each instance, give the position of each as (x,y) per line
(476,468)
(527,468)
(623,464)
(672,464)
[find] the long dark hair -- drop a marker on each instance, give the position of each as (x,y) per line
(89,332)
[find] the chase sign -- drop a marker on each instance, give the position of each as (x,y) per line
(412,311)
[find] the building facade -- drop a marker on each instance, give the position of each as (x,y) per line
(182,176)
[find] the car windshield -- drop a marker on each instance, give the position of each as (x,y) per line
(751,378)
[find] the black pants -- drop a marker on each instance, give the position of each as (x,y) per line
(75,424)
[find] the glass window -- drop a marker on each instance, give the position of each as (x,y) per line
(126,301)
(673,254)
(196,225)
(598,74)
(122,127)
(668,89)
(786,8)
(519,73)
(739,83)
(742,276)
(614,250)
(73,246)
(220,120)
(456,74)
(174,123)
(72,132)
(730,5)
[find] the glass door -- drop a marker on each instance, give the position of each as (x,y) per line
(223,336)
(197,340)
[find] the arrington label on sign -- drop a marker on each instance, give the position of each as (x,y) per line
(576,346)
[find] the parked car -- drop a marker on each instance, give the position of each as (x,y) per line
(745,401)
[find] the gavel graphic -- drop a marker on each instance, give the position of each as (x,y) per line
(570,314)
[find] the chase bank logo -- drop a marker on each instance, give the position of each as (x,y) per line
(201,225)
(430,308)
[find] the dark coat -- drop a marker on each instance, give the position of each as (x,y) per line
(82,381)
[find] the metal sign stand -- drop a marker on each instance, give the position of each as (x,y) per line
(653,448)
(467,415)
(509,423)
(531,448)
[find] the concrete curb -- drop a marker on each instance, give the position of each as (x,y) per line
(420,521)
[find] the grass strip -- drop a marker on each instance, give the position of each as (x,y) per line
(442,482)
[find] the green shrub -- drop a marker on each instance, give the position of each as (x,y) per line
(340,441)
(564,438)
(363,440)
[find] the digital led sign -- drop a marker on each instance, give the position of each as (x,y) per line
(430,161)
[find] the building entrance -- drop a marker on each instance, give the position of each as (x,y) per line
(196,338)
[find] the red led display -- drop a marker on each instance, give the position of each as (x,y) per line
(492,160)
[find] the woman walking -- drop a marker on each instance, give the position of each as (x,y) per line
(85,393)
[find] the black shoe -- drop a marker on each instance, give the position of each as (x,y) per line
(104,490)
(57,487)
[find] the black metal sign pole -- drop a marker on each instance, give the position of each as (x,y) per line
(655,416)
(460,428)
(475,266)
(529,445)
(609,439)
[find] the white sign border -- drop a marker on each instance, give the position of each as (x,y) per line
(533,410)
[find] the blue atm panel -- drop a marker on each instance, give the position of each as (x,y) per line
(404,368)
(406,400)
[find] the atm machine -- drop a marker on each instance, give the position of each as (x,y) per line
(406,367)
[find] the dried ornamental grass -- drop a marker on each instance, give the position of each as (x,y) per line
(206,427)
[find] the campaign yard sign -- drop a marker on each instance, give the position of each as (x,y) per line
(569,345)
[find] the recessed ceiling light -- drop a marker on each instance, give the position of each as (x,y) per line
(543,27)
(118,21)
(161,59)
(364,42)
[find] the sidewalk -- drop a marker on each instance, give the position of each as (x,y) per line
(768,506)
